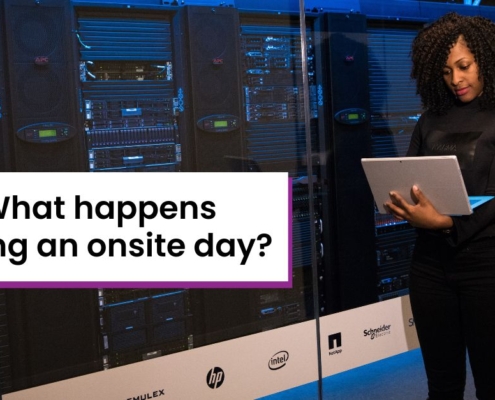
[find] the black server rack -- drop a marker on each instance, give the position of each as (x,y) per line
(47,336)
(394,111)
(207,50)
(207,54)
(41,75)
(128,96)
(131,105)
(6,384)
(275,140)
(350,260)
(6,139)
(260,128)
(140,324)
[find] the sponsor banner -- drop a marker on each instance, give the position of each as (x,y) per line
(246,368)
(366,334)
(189,230)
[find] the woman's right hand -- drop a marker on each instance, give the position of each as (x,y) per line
(421,214)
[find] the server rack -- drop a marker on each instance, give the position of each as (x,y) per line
(6,384)
(260,128)
(47,336)
(208,76)
(394,111)
(274,107)
(44,125)
(140,324)
(6,145)
(130,106)
(348,236)
(129,101)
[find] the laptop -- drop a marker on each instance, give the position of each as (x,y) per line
(438,177)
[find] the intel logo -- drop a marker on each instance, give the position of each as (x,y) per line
(278,360)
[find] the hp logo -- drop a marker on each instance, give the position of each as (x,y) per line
(215,378)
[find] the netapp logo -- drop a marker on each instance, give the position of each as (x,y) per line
(278,360)
(147,396)
(381,331)
(334,340)
(215,377)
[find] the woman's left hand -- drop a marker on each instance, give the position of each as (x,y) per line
(421,214)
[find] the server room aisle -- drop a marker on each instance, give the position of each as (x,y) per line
(396,378)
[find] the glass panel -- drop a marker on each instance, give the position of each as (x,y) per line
(173,88)
(367,107)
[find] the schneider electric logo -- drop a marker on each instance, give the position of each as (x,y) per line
(334,343)
(215,377)
(381,331)
(278,360)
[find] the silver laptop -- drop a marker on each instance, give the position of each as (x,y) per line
(439,177)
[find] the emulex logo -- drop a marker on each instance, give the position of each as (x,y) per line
(150,395)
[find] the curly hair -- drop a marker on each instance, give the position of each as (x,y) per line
(431,48)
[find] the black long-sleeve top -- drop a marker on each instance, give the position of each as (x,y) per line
(469,133)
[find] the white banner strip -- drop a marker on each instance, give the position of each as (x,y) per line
(244,368)
(145,230)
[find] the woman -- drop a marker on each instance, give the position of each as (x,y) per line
(452,279)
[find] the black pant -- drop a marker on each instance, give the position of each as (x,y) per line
(452,296)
